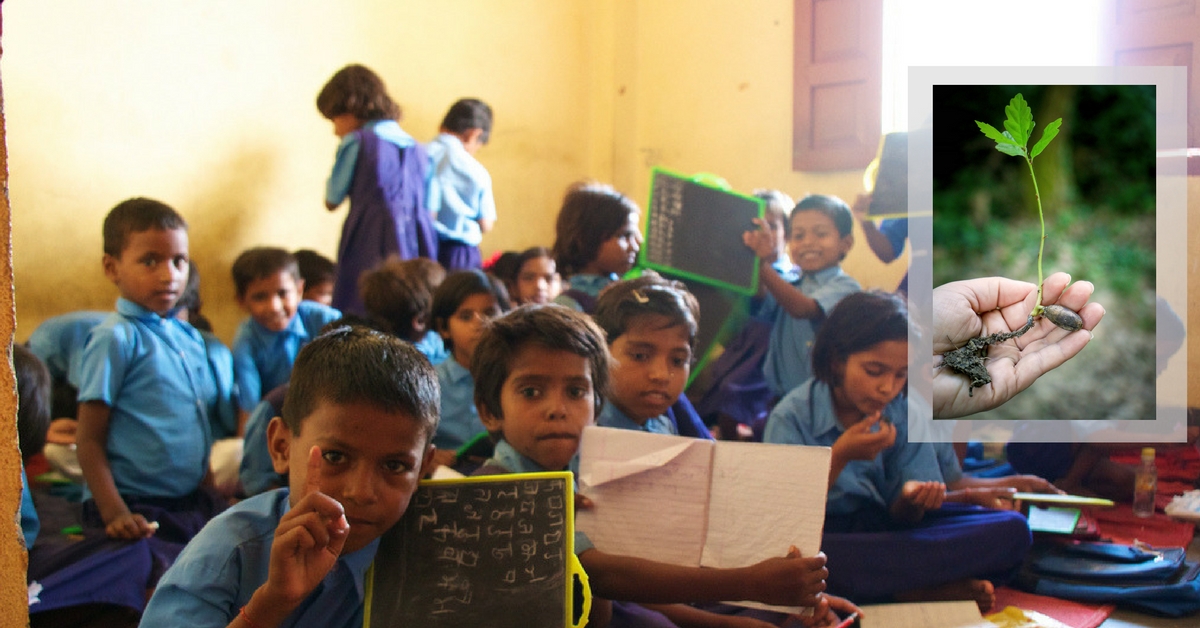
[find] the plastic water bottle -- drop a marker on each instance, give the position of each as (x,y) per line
(1146,485)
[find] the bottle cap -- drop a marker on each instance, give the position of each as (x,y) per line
(1148,452)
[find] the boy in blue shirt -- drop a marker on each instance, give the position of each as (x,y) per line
(354,439)
(265,346)
(820,233)
(459,194)
(147,393)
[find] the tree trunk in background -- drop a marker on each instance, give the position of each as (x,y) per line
(1054,167)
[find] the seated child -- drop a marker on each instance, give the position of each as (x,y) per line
(58,342)
(887,533)
(541,374)
(737,398)
(256,469)
(398,296)
(354,440)
(460,189)
(597,239)
(33,419)
(220,358)
(464,302)
(650,324)
(146,393)
(268,286)
(318,273)
(530,276)
(820,234)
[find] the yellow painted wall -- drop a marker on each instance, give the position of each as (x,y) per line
(209,107)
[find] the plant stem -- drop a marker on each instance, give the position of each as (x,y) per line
(1037,309)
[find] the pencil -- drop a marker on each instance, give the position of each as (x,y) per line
(852,620)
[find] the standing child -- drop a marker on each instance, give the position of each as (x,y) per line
(820,234)
(886,531)
(318,273)
(464,302)
(398,295)
(382,169)
(147,394)
(460,189)
(542,372)
(650,324)
(268,286)
(353,440)
(597,239)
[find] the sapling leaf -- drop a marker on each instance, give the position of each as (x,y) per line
(1019,120)
(991,132)
(1011,149)
(1004,142)
(1049,133)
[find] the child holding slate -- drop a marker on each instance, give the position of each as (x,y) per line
(819,236)
(354,439)
(597,239)
(887,532)
(541,373)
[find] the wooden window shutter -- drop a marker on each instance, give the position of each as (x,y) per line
(1160,32)
(837,84)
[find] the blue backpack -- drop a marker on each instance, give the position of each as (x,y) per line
(1155,581)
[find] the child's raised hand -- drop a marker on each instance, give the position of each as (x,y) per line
(308,541)
(789,581)
(862,442)
(761,241)
(923,495)
(130,526)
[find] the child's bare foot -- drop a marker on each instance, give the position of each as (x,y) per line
(979,591)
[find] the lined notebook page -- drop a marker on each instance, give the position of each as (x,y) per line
(650,493)
(763,499)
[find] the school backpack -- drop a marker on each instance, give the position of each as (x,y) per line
(1158,581)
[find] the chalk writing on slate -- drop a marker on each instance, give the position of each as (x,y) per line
(694,230)
(487,551)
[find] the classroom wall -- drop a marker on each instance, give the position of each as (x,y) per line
(209,107)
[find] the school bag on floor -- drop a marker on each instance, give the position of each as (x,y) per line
(1158,581)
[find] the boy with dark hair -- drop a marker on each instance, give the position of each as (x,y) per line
(541,374)
(147,395)
(398,295)
(820,233)
(354,439)
(318,273)
(459,194)
(265,346)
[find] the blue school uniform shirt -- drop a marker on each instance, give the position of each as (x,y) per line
(433,347)
(219,570)
(220,359)
(611,416)
(589,285)
(509,459)
(788,363)
(256,470)
(29,519)
(459,193)
(58,342)
(806,416)
(153,372)
(460,420)
(263,359)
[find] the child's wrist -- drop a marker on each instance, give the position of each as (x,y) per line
(265,609)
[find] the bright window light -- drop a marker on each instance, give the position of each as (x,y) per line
(1007,33)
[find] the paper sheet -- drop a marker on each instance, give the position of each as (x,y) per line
(650,493)
(763,499)
(961,614)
